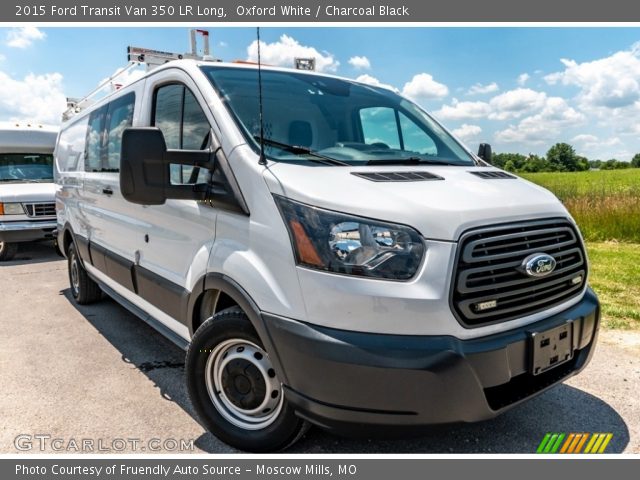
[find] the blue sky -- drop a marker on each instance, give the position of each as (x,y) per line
(521,89)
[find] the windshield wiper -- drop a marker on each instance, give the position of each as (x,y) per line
(408,161)
(299,150)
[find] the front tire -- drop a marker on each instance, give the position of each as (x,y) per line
(83,288)
(234,388)
(7,251)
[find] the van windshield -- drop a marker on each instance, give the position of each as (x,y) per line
(26,167)
(338,119)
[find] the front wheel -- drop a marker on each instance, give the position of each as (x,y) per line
(7,251)
(234,387)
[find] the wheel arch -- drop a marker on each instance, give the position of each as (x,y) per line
(227,293)
(81,243)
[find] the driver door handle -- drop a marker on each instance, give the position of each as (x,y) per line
(107,191)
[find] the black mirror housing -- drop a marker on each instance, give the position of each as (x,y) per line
(484,152)
(145,168)
(143,173)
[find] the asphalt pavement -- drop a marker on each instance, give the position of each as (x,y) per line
(96,379)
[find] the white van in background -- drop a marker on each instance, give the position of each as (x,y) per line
(337,258)
(27,191)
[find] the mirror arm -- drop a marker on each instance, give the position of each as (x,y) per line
(197,191)
(196,158)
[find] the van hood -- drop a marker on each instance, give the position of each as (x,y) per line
(438,209)
(27,192)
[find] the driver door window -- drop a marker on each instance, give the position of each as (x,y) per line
(184,126)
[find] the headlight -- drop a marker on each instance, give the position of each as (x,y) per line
(341,243)
(11,209)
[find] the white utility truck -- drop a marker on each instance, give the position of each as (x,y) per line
(27,191)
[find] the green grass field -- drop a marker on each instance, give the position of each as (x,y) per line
(606,206)
(615,276)
(606,203)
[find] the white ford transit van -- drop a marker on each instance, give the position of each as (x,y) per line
(27,191)
(339,260)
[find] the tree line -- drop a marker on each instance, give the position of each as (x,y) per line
(562,157)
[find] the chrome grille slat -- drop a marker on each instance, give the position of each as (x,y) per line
(488,269)
(41,209)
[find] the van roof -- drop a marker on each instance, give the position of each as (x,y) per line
(192,64)
(17,137)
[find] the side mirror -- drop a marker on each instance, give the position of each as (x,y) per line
(484,152)
(145,168)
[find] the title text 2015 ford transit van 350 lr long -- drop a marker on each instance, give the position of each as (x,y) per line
(27,191)
(369,271)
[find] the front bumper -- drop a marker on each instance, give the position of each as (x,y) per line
(26,231)
(347,381)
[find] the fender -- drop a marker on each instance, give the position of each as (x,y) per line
(82,244)
(223,283)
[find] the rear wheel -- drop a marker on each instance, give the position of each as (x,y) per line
(234,387)
(7,251)
(83,289)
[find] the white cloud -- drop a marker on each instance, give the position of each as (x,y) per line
(283,52)
(369,80)
(584,138)
(479,89)
(36,98)
(23,37)
(523,78)
(360,63)
(515,103)
(610,82)
(467,132)
(544,126)
(423,87)
(463,110)
(123,78)
(588,141)
(223,44)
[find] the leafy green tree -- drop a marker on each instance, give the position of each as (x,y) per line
(562,158)
(510,166)
(582,164)
(614,164)
(635,161)
(534,163)
(517,160)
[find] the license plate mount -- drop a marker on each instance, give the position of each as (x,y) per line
(551,348)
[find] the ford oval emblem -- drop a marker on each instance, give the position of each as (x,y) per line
(538,265)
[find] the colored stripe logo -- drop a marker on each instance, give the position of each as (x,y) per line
(574,443)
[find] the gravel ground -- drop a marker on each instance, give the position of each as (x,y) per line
(98,373)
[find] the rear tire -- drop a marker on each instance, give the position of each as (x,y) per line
(234,388)
(7,251)
(83,289)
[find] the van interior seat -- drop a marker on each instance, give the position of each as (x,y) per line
(300,133)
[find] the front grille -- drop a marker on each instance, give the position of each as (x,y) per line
(489,283)
(398,176)
(40,209)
